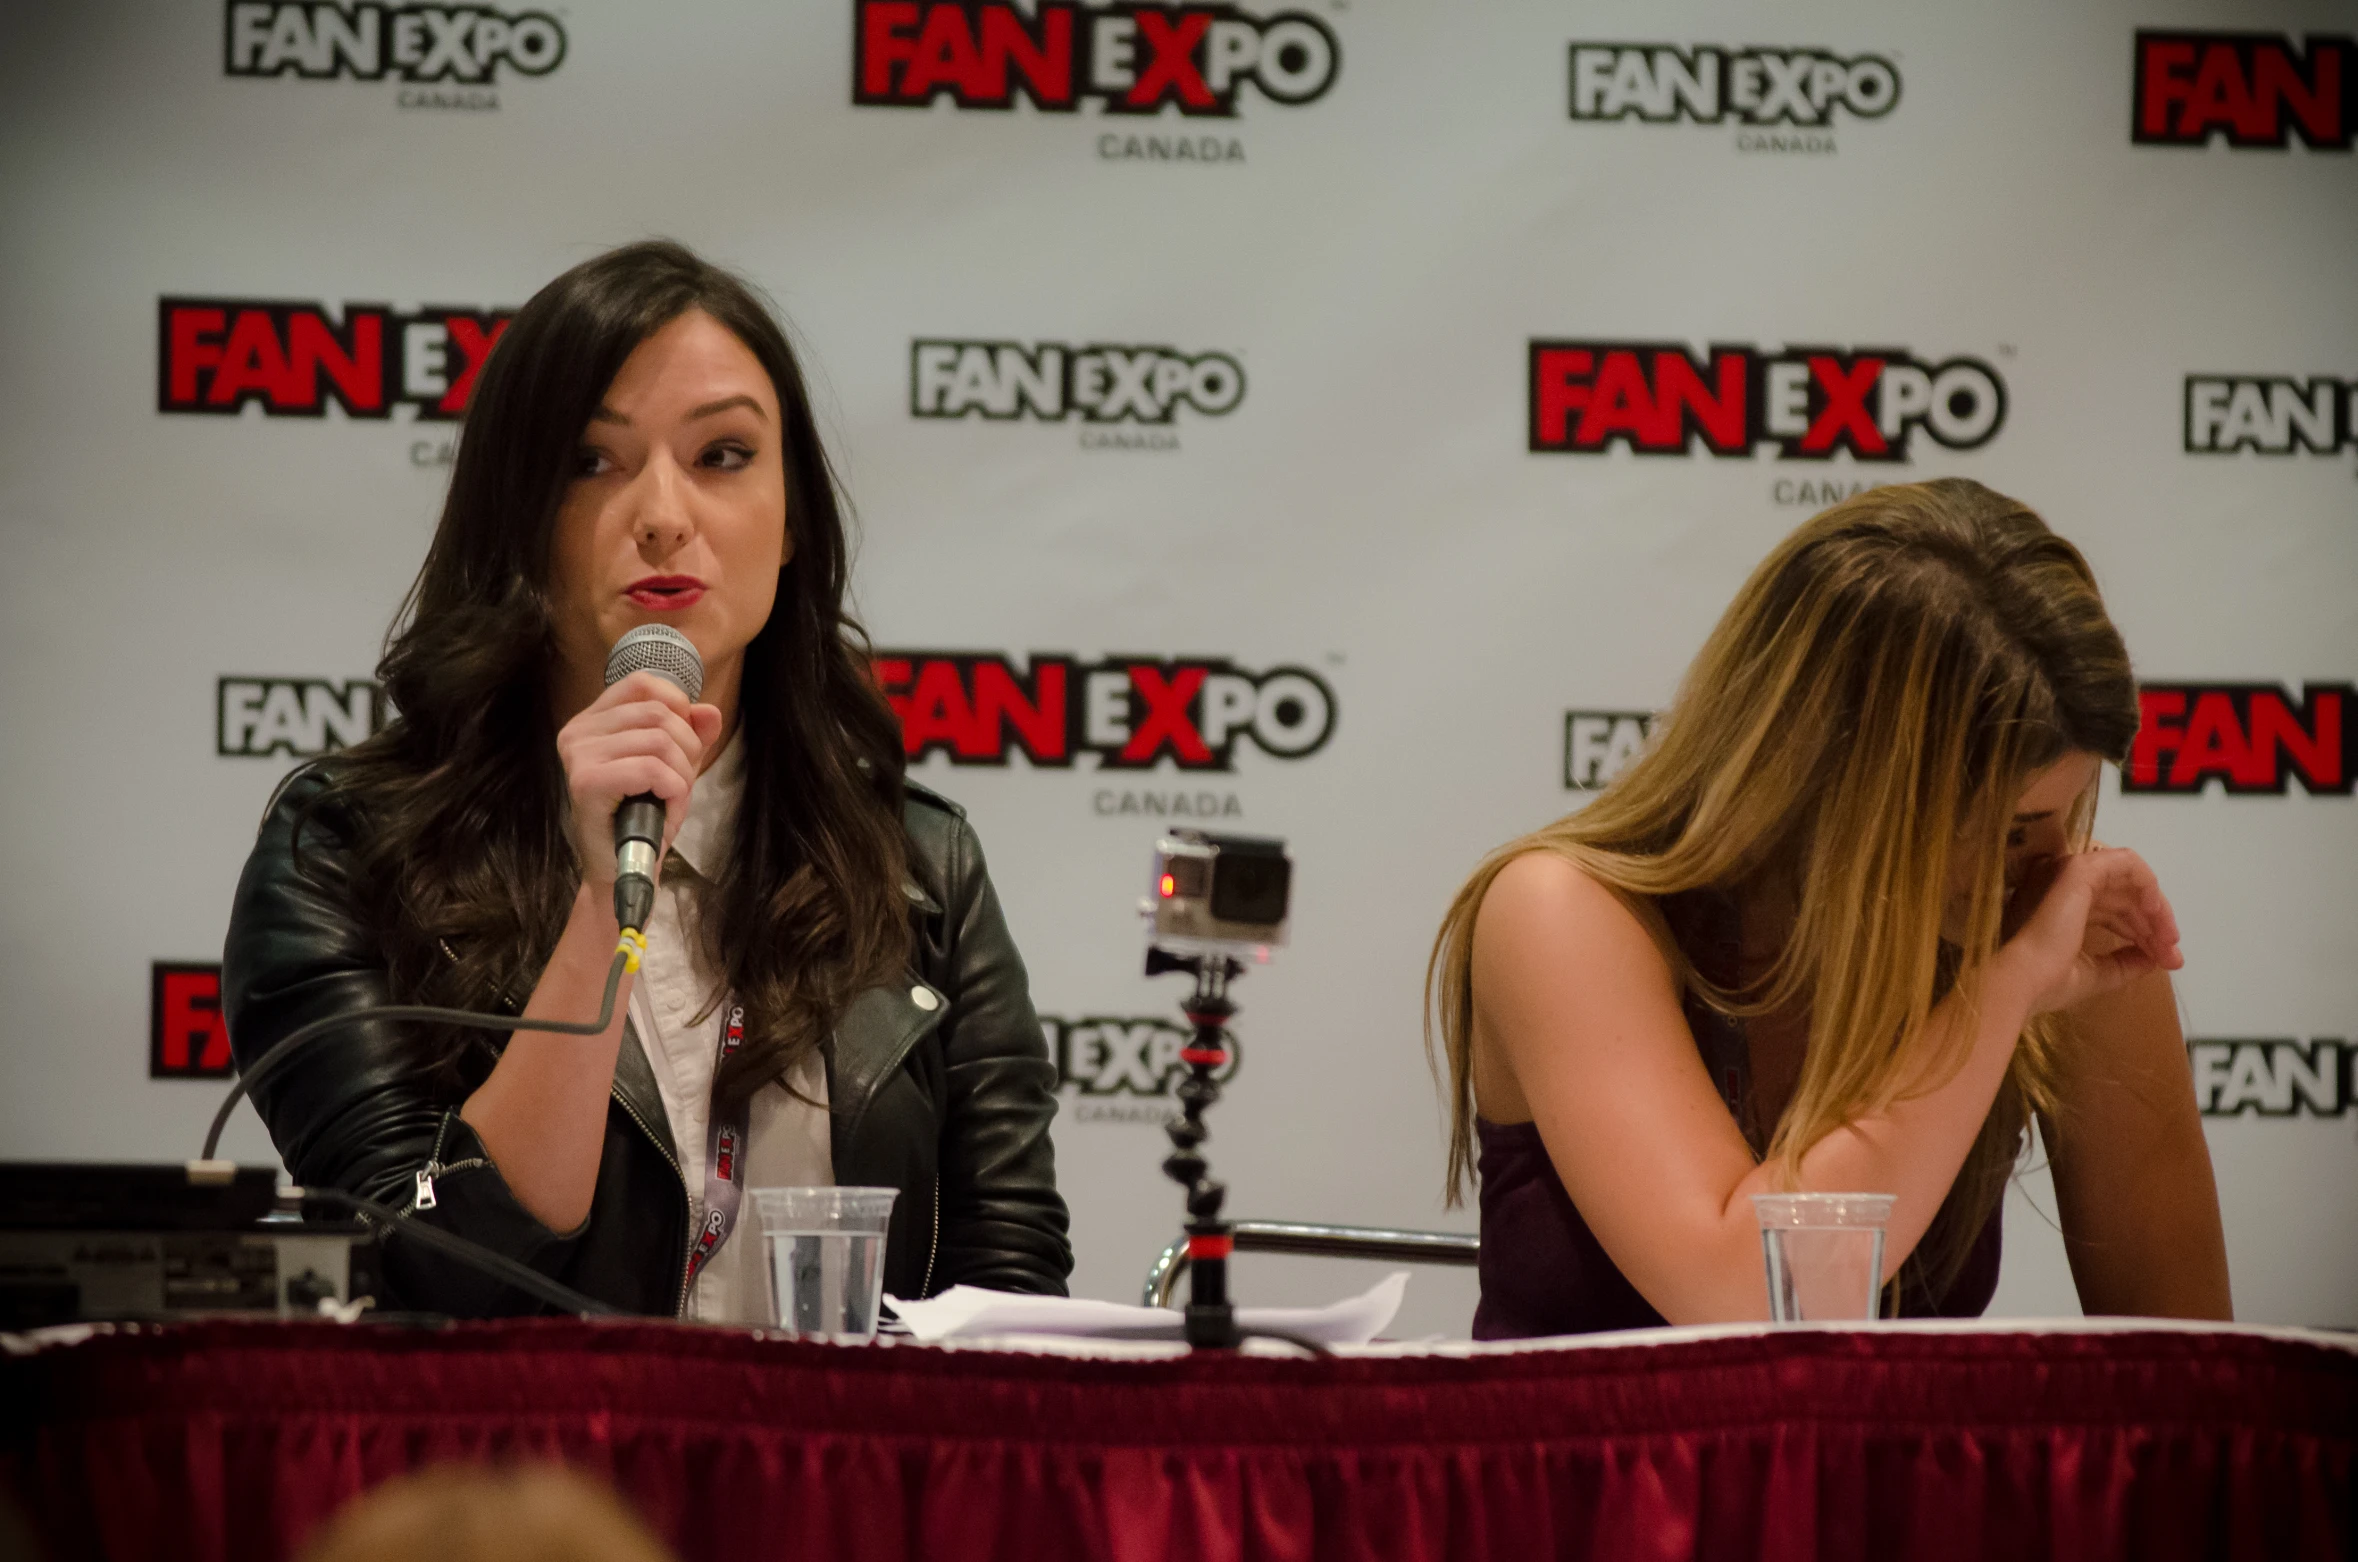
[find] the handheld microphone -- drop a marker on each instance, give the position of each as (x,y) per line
(638,822)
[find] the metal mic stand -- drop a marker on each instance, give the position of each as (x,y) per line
(1211,1316)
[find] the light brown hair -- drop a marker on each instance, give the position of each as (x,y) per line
(459,1513)
(1851,738)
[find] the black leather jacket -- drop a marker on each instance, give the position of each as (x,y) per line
(950,1103)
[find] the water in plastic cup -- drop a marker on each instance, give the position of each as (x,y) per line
(1824,1253)
(826,1250)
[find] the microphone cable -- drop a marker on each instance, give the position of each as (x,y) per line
(627,953)
(638,836)
(474,1254)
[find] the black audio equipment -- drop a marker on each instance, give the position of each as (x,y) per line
(85,1241)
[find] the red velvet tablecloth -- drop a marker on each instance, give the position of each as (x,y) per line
(230,1442)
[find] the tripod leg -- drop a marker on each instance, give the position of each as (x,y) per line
(1210,1317)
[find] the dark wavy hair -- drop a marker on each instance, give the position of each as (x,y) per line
(459,855)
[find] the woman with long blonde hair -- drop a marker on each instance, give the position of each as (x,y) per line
(1841,928)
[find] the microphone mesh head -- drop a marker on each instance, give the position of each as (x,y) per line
(660,649)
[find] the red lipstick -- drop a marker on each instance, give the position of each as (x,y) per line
(665,593)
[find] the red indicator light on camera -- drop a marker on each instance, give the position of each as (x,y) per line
(1170,886)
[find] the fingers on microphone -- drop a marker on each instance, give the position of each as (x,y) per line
(627,777)
(654,743)
(643,685)
(626,714)
(688,737)
(624,723)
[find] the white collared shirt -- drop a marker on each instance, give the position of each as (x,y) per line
(676,1009)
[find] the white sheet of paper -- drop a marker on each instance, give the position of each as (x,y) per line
(966,1312)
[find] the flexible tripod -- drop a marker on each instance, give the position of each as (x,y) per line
(1211,1316)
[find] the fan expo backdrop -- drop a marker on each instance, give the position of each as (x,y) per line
(1334,419)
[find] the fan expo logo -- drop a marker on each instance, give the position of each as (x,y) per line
(1600,744)
(1131,713)
(2271,414)
(1132,60)
(186,1036)
(2274,1078)
(444,56)
(2252,89)
(2251,738)
(1656,398)
(1123,1070)
(216,355)
(1047,382)
(300,718)
(1763,92)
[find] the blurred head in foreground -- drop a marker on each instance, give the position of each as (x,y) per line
(463,1513)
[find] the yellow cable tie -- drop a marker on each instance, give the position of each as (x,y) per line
(632,945)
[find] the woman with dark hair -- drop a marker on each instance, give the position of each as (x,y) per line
(830,994)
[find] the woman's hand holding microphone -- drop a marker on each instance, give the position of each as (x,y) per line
(642,735)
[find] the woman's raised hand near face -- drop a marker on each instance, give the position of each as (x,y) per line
(642,735)
(542,1112)
(2090,923)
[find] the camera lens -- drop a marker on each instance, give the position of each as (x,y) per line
(1250,887)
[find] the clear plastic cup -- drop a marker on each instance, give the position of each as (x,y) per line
(1824,1253)
(826,1252)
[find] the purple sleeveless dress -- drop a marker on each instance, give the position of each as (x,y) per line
(1544,1272)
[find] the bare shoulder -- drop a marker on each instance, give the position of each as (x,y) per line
(1574,982)
(1549,910)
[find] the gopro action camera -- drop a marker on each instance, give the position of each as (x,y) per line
(1219,893)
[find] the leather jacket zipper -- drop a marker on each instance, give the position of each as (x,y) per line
(679,1306)
(423,1196)
(935,1248)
